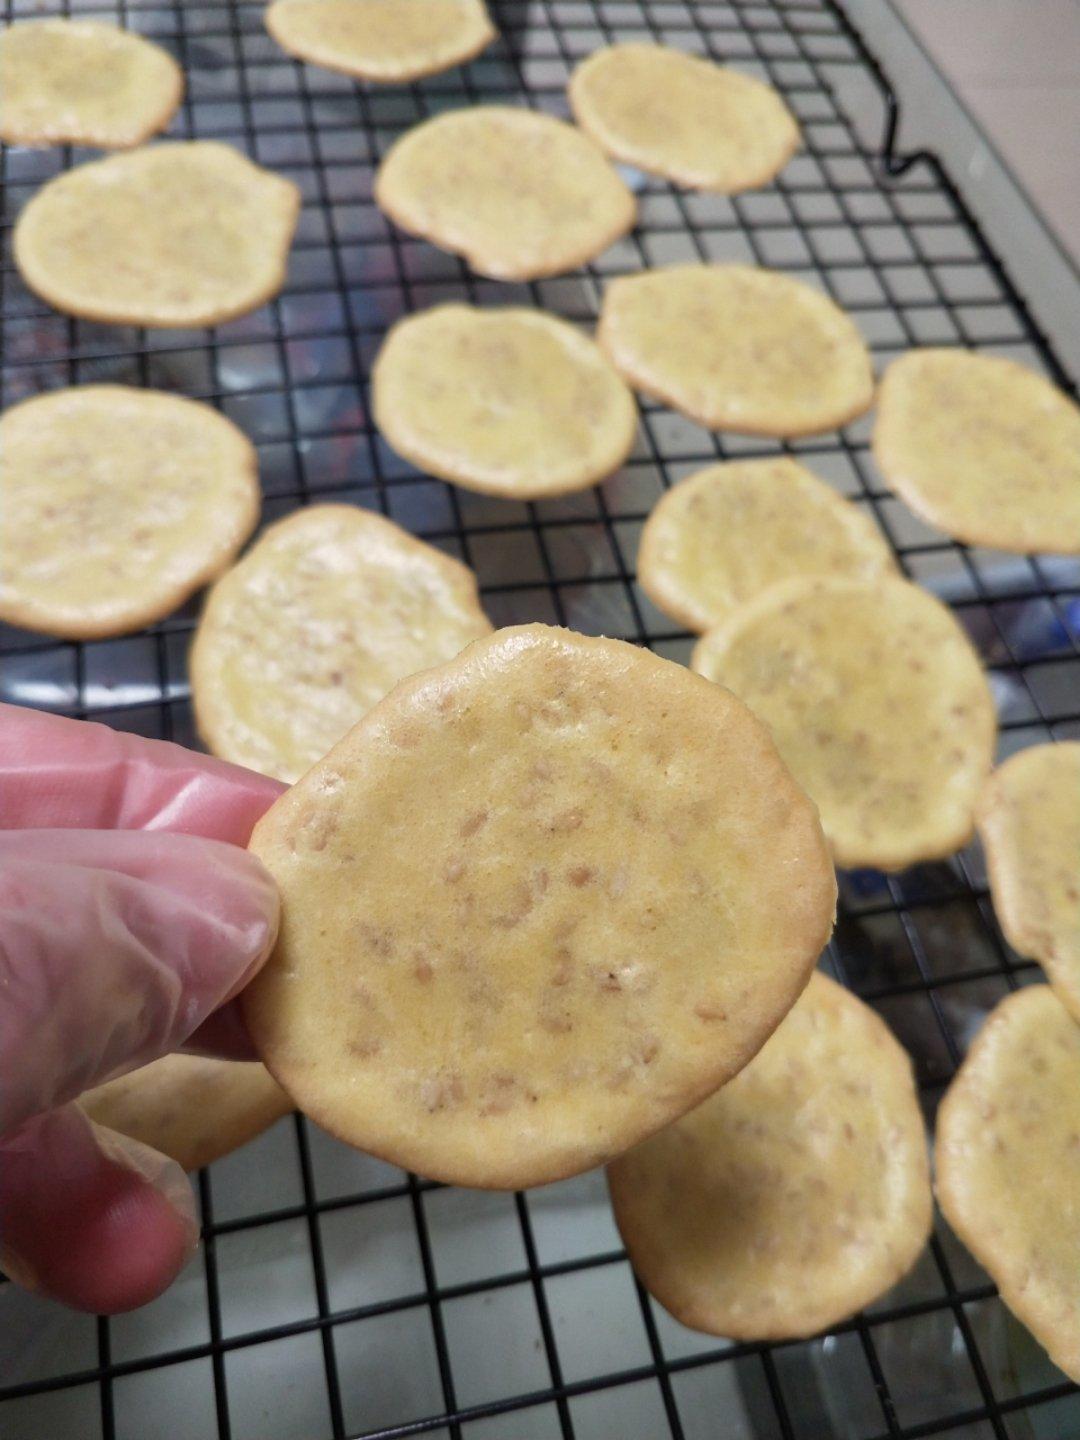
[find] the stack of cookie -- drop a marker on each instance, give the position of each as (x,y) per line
(550,902)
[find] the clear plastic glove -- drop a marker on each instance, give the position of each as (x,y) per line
(129,919)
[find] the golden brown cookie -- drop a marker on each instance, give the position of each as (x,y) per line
(508,402)
(735,347)
(724,534)
(877,702)
(1028,817)
(116,504)
(983,448)
(683,117)
(175,235)
(540,901)
(1008,1164)
(797,1194)
(190,1108)
(326,613)
(81,82)
(518,194)
(385,41)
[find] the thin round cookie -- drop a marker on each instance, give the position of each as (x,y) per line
(982,448)
(1007,1156)
(326,613)
(1028,818)
(877,702)
(384,41)
(81,82)
(182,234)
(518,194)
(735,347)
(724,534)
(117,505)
(683,117)
(797,1194)
(193,1109)
(508,402)
(539,902)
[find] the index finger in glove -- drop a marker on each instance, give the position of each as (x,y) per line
(72,773)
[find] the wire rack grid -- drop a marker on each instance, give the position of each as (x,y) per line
(337,1296)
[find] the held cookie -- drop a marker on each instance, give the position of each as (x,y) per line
(518,194)
(182,234)
(539,902)
(116,505)
(720,537)
(191,1108)
(982,448)
(683,117)
(1008,1164)
(81,82)
(1028,818)
(385,41)
(325,614)
(735,347)
(508,402)
(877,702)
(796,1195)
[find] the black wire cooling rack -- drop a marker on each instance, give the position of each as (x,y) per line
(334,1295)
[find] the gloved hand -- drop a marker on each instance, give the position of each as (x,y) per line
(129,919)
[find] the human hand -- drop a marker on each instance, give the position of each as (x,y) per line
(129,919)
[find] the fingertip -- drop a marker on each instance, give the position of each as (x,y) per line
(92,1218)
(122,1253)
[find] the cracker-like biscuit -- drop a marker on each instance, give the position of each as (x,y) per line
(683,117)
(720,537)
(385,41)
(326,613)
(539,902)
(116,504)
(797,1194)
(736,347)
(81,82)
(877,702)
(180,234)
(982,448)
(1028,818)
(508,402)
(518,194)
(189,1107)
(1007,1157)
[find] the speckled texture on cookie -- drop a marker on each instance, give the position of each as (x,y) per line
(189,1107)
(384,41)
(724,534)
(736,347)
(506,401)
(683,117)
(877,702)
(84,83)
(116,505)
(326,613)
(983,448)
(1028,818)
(181,234)
(518,194)
(1008,1164)
(797,1194)
(538,903)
